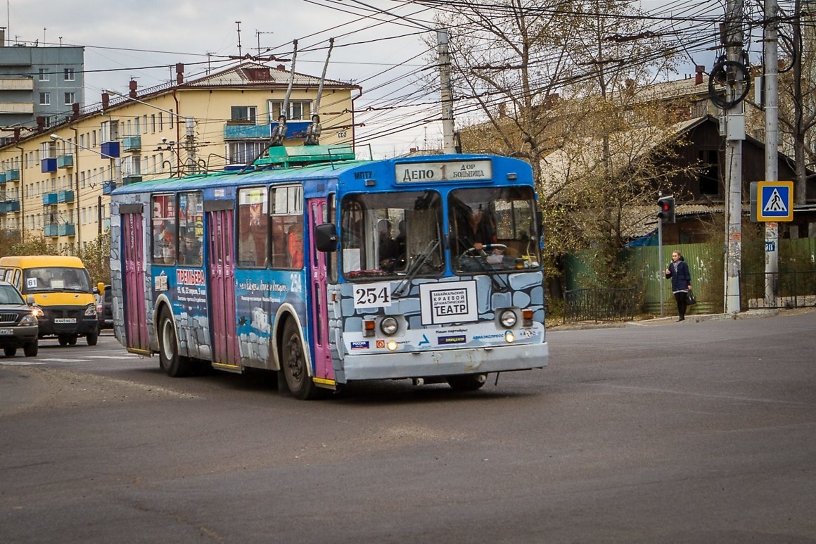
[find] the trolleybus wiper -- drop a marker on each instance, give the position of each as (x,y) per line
(416,266)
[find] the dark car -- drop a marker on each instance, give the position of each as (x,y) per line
(18,322)
(104,308)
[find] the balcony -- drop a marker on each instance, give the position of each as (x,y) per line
(48,165)
(2,178)
(108,187)
(49,199)
(65,161)
(65,196)
(294,129)
(66,229)
(132,143)
(12,205)
(51,230)
(12,175)
(131,178)
(110,150)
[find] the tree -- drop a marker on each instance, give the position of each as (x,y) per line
(797,96)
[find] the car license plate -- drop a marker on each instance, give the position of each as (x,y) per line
(6,332)
(63,320)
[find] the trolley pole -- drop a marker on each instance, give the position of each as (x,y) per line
(448,144)
(735,134)
(771,52)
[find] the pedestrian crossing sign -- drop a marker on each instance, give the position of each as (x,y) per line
(775,201)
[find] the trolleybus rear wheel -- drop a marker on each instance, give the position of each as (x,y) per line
(171,362)
(293,361)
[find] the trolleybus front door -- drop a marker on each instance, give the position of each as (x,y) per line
(134,281)
(317,286)
(221,263)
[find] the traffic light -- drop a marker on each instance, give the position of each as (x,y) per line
(666,213)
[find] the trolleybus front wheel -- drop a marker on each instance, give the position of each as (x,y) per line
(293,363)
(468,382)
(174,365)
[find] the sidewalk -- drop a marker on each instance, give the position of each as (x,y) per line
(672,320)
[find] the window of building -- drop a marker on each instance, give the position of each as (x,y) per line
(70,98)
(243,152)
(252,227)
(709,177)
(43,74)
(191,229)
(164,229)
(242,114)
(45,99)
(298,110)
(153,123)
(68,74)
(172,116)
(161,122)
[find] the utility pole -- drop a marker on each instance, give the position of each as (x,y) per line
(190,146)
(735,134)
(238,23)
(448,144)
(771,53)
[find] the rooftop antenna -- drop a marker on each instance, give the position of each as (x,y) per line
(313,133)
(238,23)
(279,132)
(258,36)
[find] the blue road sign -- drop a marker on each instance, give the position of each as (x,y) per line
(774,201)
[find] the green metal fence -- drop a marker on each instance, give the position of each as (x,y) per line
(797,258)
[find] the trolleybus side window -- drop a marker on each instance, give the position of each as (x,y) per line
(191,229)
(252,227)
(164,229)
(286,215)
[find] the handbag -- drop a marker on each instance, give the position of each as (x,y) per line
(690,298)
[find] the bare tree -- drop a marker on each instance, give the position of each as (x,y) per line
(797,104)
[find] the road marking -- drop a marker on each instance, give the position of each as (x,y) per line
(56,360)
(115,357)
(19,363)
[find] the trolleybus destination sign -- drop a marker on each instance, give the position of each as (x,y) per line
(418,172)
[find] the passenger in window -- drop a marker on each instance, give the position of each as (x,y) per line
(296,246)
(165,243)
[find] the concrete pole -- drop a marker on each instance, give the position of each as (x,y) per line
(771,145)
(660,268)
(735,134)
(448,144)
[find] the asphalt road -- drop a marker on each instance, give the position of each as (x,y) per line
(663,432)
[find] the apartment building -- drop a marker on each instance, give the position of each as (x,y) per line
(56,181)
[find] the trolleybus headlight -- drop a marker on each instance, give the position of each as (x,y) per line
(389,326)
(368,327)
(37,312)
(527,317)
(90,310)
(391,345)
(509,337)
(508,318)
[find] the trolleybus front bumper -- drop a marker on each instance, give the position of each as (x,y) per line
(448,362)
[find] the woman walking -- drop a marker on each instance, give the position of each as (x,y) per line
(680,276)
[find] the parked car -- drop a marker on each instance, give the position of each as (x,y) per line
(18,322)
(104,307)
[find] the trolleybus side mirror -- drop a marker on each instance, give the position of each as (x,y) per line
(100,288)
(326,237)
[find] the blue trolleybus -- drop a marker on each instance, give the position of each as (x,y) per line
(331,270)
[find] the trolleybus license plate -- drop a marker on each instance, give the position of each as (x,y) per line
(63,320)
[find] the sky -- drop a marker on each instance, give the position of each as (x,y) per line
(386,54)
(123,39)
